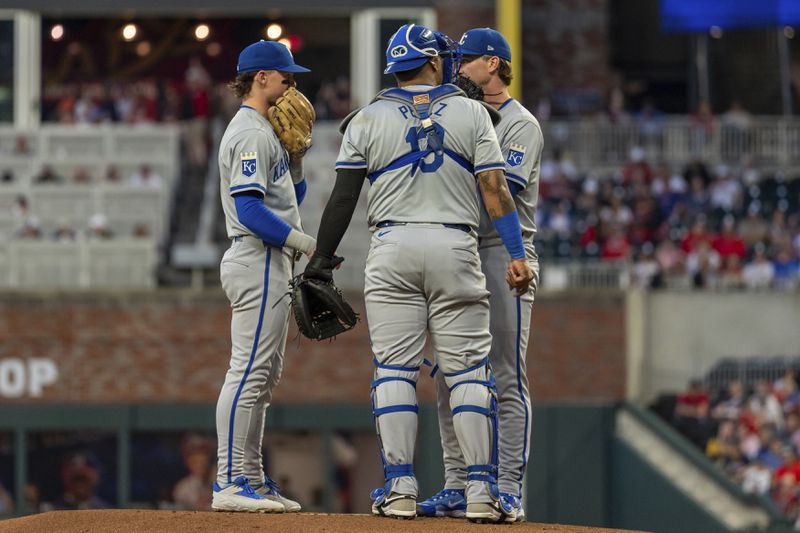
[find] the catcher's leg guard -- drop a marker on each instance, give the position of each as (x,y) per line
(474,404)
(394,405)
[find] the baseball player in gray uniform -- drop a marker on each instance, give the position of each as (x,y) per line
(421,146)
(260,190)
(486,57)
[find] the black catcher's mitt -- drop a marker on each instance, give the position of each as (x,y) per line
(470,88)
(319,308)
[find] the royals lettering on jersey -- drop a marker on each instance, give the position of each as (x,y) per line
(281,168)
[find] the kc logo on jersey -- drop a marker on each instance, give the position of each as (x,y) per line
(248,163)
(516,155)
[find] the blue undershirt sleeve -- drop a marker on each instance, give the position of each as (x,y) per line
(300,191)
(257,217)
(510,232)
(513,188)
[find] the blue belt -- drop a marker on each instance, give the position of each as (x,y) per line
(238,238)
(388,223)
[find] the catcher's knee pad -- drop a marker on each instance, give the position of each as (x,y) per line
(473,390)
(394,391)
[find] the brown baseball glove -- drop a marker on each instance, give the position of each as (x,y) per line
(292,117)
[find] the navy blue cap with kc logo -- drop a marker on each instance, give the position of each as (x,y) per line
(267,55)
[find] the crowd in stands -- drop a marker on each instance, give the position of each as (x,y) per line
(689,227)
(752,435)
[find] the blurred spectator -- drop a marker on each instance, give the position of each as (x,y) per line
(692,414)
(737,118)
(345,457)
(753,229)
(6,502)
(332,101)
(750,174)
(617,212)
(191,492)
(33,498)
(31,229)
(702,123)
(196,112)
(64,233)
(726,192)
(765,406)
(616,246)
(81,176)
(98,228)
(728,242)
(786,268)
(113,177)
(80,479)
(723,448)
(146,178)
(556,165)
(730,407)
(703,264)
(670,258)
(731,273)
(699,234)
(141,231)
(757,478)
(785,496)
(637,169)
(646,270)
(759,273)
(22,146)
(47,175)
(698,200)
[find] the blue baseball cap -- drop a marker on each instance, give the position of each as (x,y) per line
(267,55)
(485,42)
(410,47)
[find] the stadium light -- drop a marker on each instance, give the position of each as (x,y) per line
(286,42)
(201,32)
(129,32)
(788,32)
(715,31)
(57,32)
(143,48)
(274,31)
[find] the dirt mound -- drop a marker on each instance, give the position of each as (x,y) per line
(133,521)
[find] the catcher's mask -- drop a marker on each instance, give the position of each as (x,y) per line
(412,45)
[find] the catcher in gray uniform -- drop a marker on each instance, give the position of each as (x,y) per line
(421,146)
(261,186)
(486,57)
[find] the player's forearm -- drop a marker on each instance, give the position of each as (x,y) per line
(496,197)
(502,210)
(339,210)
(296,169)
(267,226)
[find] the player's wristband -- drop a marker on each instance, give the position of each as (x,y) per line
(509,230)
(300,242)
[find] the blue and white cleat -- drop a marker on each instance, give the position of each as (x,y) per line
(271,491)
(446,502)
(239,496)
(513,507)
(393,505)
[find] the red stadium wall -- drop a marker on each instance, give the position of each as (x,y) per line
(173,347)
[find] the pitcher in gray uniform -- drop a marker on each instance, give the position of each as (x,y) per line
(260,188)
(421,146)
(486,57)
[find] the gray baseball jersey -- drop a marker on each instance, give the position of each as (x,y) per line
(251,158)
(255,279)
(426,276)
(435,189)
(521,142)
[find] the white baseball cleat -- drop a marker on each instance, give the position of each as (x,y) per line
(239,496)
(393,505)
(489,513)
(270,491)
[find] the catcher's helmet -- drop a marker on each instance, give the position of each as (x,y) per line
(412,45)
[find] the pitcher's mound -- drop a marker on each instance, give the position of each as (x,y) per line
(130,521)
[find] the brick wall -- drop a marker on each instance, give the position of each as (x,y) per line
(172,346)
